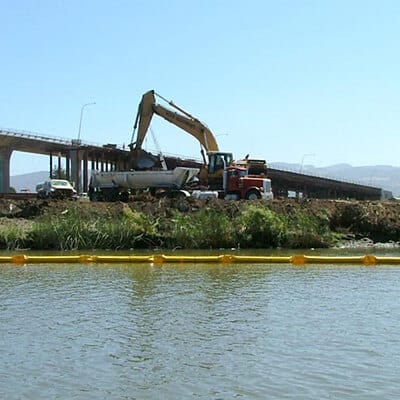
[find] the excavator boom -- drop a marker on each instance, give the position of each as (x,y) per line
(148,107)
(214,161)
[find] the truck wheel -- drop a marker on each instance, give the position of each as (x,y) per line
(182,205)
(253,195)
(124,197)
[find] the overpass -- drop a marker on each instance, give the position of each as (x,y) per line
(318,187)
(78,154)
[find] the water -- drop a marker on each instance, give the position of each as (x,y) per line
(199,331)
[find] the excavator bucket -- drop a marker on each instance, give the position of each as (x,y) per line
(142,159)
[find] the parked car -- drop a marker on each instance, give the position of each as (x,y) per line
(56,189)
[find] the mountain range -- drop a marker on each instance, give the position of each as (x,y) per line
(382,176)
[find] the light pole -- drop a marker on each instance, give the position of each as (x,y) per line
(302,160)
(80,120)
(76,160)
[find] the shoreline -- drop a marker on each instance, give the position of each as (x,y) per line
(149,223)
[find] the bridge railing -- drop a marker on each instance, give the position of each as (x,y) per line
(306,172)
(52,139)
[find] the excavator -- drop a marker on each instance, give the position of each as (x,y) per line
(214,160)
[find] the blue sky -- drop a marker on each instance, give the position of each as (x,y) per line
(277,79)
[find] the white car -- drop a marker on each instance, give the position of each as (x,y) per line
(56,189)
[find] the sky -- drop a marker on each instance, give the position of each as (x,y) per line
(289,81)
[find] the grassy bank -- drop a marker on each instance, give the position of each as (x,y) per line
(146,225)
(253,226)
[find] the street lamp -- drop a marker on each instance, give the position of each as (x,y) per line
(80,120)
(302,160)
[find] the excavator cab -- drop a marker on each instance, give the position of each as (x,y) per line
(211,174)
(218,160)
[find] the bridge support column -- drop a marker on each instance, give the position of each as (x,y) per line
(5,156)
(76,169)
(85,171)
(68,166)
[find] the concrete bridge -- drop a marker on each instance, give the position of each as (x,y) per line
(318,187)
(108,157)
(77,155)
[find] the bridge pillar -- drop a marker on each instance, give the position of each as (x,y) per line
(68,165)
(76,169)
(85,171)
(5,156)
(77,158)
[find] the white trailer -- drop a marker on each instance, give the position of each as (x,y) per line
(118,185)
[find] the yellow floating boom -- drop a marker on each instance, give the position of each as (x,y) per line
(217,259)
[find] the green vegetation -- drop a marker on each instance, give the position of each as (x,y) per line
(205,229)
(13,236)
(251,226)
(70,231)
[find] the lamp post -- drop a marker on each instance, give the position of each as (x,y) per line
(80,120)
(76,160)
(302,161)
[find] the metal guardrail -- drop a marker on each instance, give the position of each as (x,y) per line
(33,135)
(49,138)
(315,175)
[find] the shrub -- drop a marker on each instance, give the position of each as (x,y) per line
(207,228)
(258,227)
(305,231)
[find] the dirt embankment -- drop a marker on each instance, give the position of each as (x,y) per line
(376,220)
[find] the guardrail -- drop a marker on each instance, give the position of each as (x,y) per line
(51,139)
(316,175)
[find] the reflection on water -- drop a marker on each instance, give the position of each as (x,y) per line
(202,331)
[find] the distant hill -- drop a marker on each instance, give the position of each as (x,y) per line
(381,176)
(28,181)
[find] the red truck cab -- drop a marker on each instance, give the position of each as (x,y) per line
(238,184)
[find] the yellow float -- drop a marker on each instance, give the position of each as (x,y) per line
(300,259)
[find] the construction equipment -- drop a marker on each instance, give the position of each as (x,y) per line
(214,160)
(239,185)
(119,185)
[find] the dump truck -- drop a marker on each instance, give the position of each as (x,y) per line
(119,185)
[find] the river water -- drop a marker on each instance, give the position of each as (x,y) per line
(199,331)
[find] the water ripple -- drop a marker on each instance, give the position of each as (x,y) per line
(251,332)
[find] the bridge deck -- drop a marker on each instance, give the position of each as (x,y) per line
(79,151)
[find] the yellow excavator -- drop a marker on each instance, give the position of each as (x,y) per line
(214,160)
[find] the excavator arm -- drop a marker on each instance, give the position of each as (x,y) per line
(214,161)
(182,119)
